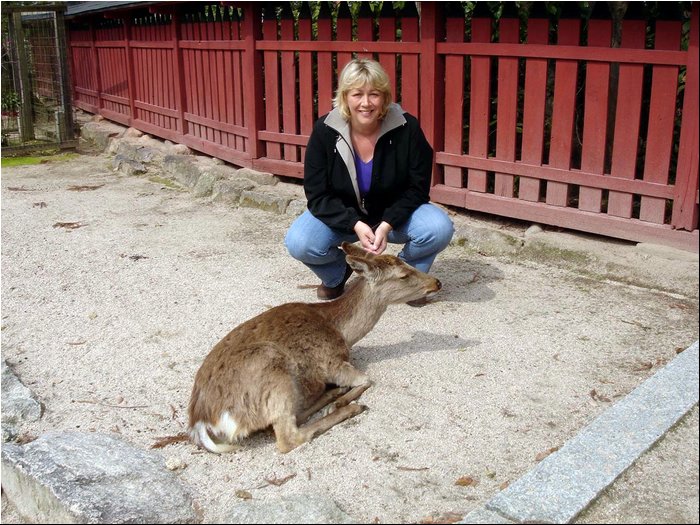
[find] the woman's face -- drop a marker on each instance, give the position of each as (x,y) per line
(365,104)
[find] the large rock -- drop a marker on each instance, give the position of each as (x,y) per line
(74,477)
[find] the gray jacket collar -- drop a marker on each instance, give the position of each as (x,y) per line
(393,119)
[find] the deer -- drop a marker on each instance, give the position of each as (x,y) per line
(278,368)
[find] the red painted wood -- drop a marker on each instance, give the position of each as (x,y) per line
(254,119)
(235,98)
(289,91)
(534,109)
(454,101)
(432,71)
(409,67)
(563,112)
(507,112)
(343,33)
(566,52)
(365,31)
(387,33)
(324,68)
(661,120)
(598,223)
(306,85)
(556,174)
(212,60)
(272,121)
(480,103)
(595,115)
(627,119)
(685,205)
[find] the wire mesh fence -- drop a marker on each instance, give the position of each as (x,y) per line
(36,104)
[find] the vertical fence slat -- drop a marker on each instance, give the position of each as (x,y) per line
(595,114)
(662,113)
(306,81)
(685,204)
(507,111)
(343,33)
(235,109)
(563,112)
(272,120)
(289,91)
(454,100)
(627,119)
(534,109)
(387,33)
(253,84)
(479,105)
(324,61)
(409,65)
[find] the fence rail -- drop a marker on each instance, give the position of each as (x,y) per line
(526,121)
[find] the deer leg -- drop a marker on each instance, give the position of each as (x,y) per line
(289,436)
(350,396)
(327,397)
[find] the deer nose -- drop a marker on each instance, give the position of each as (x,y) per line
(438,284)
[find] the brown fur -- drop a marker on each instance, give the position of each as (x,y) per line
(274,368)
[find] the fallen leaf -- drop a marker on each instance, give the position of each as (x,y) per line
(446,517)
(169,440)
(411,469)
(597,397)
(542,455)
(68,225)
(466,481)
(41,204)
(279,481)
(243,494)
(85,188)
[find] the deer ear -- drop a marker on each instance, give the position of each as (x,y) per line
(360,265)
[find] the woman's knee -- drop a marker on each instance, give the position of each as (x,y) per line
(434,227)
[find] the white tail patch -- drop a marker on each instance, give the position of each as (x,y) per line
(225,430)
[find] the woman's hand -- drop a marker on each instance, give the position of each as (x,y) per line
(373,241)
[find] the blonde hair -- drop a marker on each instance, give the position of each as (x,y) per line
(357,73)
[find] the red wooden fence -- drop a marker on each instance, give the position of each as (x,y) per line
(527,122)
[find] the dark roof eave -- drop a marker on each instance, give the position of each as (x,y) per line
(76,9)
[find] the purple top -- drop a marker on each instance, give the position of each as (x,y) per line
(364,174)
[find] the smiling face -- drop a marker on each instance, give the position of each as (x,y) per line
(365,104)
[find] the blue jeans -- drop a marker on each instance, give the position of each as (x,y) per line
(426,233)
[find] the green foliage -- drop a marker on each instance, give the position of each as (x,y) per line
(11,101)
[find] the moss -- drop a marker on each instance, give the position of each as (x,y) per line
(166,183)
(8,162)
(543,253)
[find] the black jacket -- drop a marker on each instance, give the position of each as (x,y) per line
(402,167)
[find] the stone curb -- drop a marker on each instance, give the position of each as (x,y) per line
(570,479)
(175,165)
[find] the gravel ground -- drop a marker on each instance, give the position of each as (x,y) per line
(115,288)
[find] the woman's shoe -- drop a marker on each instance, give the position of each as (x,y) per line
(326,293)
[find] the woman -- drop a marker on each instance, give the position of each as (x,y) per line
(366,176)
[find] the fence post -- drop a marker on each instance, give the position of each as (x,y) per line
(66,115)
(253,82)
(180,88)
(26,120)
(130,75)
(685,207)
(432,79)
